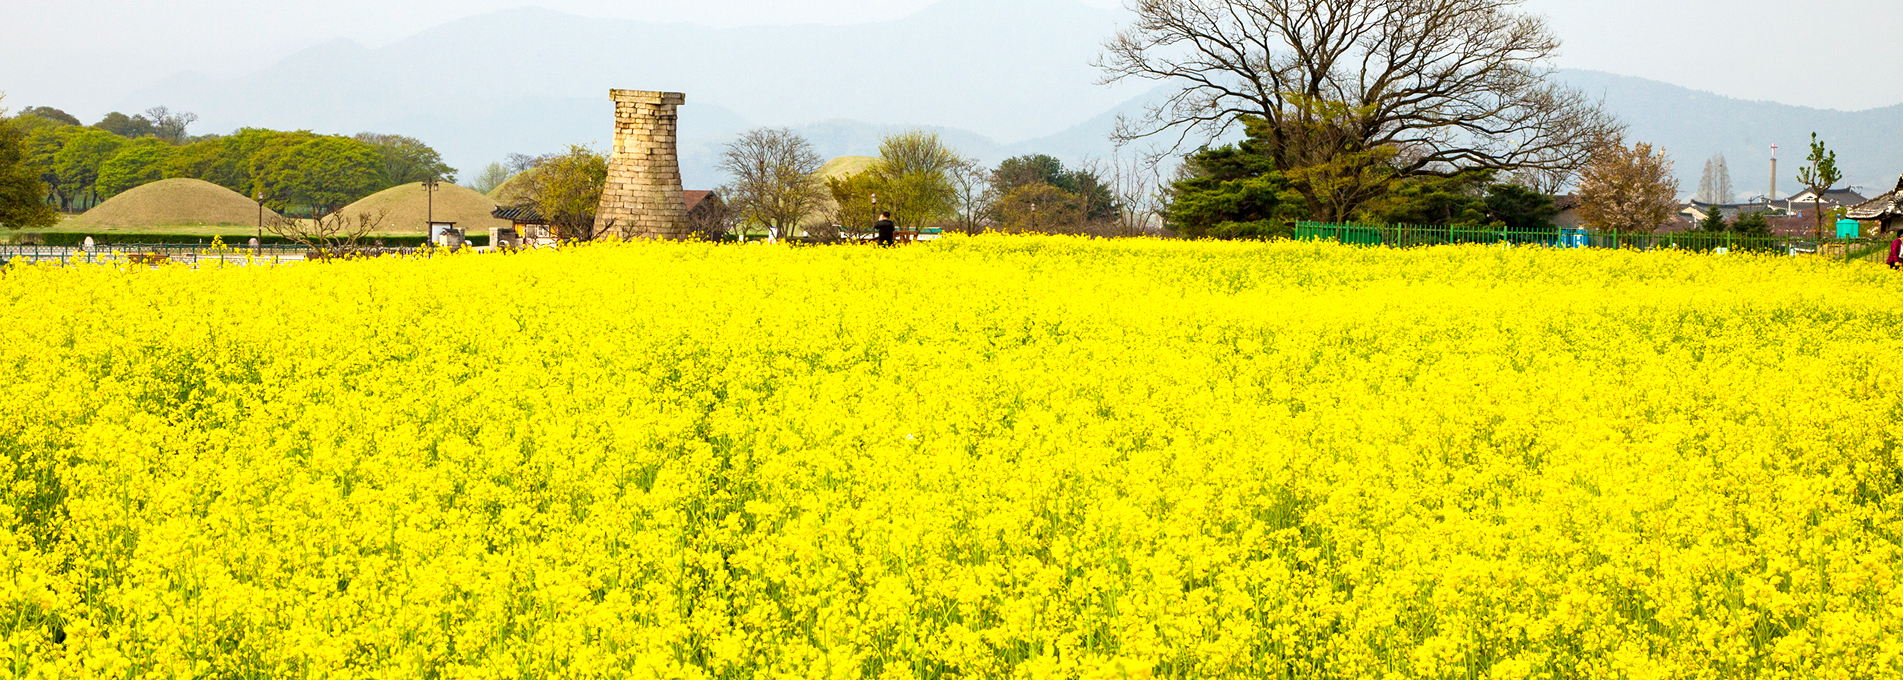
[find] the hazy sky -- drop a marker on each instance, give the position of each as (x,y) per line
(87,54)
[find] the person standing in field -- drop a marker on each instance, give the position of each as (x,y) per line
(1896,251)
(887,229)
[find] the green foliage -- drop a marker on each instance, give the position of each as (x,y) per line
(566,188)
(1820,175)
(1714,221)
(21,191)
(236,161)
(1466,199)
(1461,199)
(1521,208)
(1752,224)
(915,170)
(852,206)
(1039,208)
(1232,192)
(1023,171)
(492,176)
(322,174)
(42,146)
(126,126)
(78,161)
(137,163)
(407,159)
(51,114)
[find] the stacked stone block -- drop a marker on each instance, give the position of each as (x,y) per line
(643,196)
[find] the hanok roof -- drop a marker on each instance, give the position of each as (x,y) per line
(694,198)
(1887,205)
(1836,196)
(521,213)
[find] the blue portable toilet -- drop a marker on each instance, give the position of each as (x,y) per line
(1849,228)
(1572,237)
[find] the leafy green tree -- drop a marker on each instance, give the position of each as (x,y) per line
(50,113)
(1040,208)
(407,159)
(140,162)
(126,126)
(917,170)
(78,161)
(566,188)
(1022,171)
(1819,176)
(43,141)
(22,193)
(852,209)
(322,174)
(232,162)
(492,176)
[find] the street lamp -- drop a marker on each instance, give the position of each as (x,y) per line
(260,196)
(429,189)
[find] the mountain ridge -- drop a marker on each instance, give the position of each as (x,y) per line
(1022,84)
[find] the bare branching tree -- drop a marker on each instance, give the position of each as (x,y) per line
(1548,181)
(332,236)
(1353,95)
(972,180)
(712,219)
(1136,186)
(1714,186)
(773,184)
(169,125)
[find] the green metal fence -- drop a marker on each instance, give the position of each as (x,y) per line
(161,253)
(1410,235)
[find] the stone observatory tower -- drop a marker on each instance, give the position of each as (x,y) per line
(643,195)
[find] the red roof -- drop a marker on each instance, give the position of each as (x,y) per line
(693,198)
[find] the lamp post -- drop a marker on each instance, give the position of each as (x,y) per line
(260,196)
(429,210)
(875,209)
(1033,218)
(429,189)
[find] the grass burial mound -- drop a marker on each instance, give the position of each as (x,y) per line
(513,191)
(406,209)
(168,203)
(846,166)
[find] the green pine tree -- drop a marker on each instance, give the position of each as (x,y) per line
(1714,221)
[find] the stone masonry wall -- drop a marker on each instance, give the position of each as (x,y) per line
(643,195)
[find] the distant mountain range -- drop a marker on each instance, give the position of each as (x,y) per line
(1005,69)
(995,77)
(1692,126)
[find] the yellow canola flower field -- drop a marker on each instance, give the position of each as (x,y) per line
(992,457)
